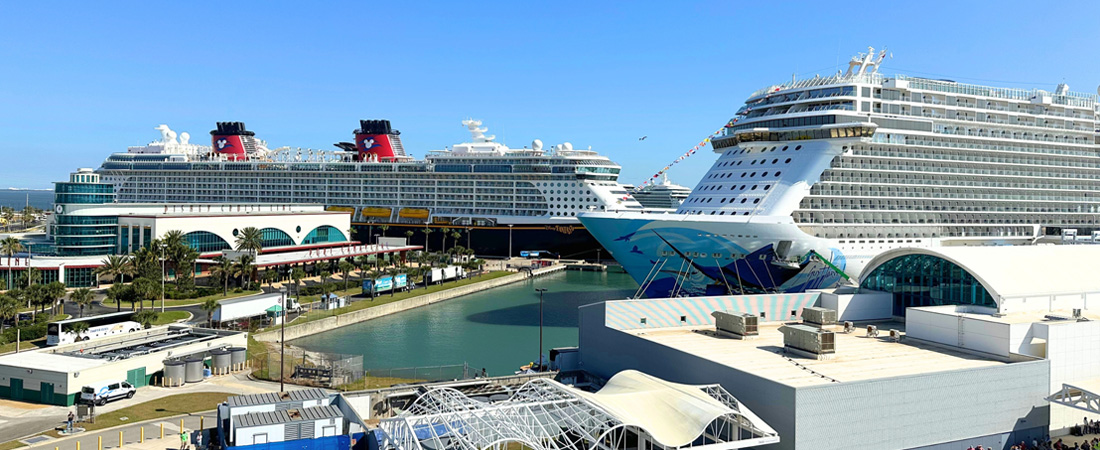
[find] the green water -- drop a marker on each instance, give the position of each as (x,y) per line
(497,329)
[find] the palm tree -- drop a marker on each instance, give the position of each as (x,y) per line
(78,328)
(427,233)
(55,292)
(118,292)
(324,279)
(174,249)
(383,227)
(223,270)
(446,232)
(8,215)
(10,245)
(147,317)
(408,236)
(269,276)
(144,289)
(244,268)
(210,305)
(9,308)
(297,274)
(345,268)
(250,239)
(115,266)
(28,214)
(82,297)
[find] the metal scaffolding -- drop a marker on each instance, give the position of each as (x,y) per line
(546,415)
(1076,397)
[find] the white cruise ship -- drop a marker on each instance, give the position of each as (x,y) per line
(500,199)
(663,196)
(815,177)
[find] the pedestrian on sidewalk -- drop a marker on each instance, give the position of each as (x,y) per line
(69,423)
(183,440)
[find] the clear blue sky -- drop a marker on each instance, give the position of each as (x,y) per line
(80,80)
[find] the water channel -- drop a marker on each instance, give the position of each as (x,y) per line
(497,329)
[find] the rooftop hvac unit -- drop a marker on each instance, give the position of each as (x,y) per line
(739,324)
(809,339)
(819,316)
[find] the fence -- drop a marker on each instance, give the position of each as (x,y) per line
(313,368)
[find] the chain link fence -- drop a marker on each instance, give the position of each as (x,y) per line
(330,370)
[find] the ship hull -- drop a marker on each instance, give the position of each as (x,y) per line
(676,255)
(566,241)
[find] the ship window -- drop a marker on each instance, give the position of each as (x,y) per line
(744,200)
(753,188)
(753,174)
(788,160)
(764,174)
(785,148)
(756,201)
(766,187)
(742,174)
(777,173)
(798,148)
(742,187)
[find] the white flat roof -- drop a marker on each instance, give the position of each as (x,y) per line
(39,360)
(857,357)
(324,254)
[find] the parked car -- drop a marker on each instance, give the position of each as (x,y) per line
(100,393)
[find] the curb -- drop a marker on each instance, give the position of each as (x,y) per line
(55,441)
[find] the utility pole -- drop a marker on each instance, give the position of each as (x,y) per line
(540,291)
(510,241)
(282,338)
(163,274)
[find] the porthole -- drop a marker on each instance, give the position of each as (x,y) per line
(785,148)
(777,173)
(744,200)
(775,160)
(235,231)
(764,174)
(799,147)
(756,201)
(297,229)
(767,186)
(788,160)
(753,174)
(742,187)
(742,174)
(753,188)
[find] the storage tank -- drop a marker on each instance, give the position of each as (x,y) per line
(193,370)
(174,373)
(237,357)
(220,361)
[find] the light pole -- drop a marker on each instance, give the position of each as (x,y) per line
(510,241)
(598,255)
(540,291)
(163,249)
(282,338)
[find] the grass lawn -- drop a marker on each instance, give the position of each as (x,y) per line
(12,444)
(365,302)
(184,302)
(168,317)
(172,405)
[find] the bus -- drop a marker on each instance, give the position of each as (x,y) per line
(535,254)
(58,333)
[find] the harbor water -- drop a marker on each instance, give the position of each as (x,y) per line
(18,199)
(497,329)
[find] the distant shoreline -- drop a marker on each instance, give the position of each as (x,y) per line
(12,189)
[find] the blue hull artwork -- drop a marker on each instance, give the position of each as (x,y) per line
(674,258)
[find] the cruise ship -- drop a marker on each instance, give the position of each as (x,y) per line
(814,177)
(500,200)
(663,196)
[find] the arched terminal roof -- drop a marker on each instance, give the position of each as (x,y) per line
(1015,271)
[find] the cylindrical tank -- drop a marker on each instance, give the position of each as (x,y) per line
(220,361)
(174,373)
(237,357)
(193,369)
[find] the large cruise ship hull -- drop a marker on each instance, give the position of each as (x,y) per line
(566,241)
(678,254)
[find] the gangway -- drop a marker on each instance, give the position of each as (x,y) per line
(1075,397)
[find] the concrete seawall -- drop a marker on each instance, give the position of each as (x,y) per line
(353,317)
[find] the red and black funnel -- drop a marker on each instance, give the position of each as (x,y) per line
(375,140)
(230,138)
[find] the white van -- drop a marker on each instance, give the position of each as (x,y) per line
(101,393)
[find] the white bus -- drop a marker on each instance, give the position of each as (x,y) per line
(58,333)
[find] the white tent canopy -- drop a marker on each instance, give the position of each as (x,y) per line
(546,415)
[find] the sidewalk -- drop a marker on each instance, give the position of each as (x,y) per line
(131,435)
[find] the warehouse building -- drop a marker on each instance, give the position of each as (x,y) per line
(952,347)
(57,374)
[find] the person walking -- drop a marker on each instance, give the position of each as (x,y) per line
(183,440)
(69,423)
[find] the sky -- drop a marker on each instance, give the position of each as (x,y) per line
(80,80)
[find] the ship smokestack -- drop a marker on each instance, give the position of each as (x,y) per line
(377,140)
(233,140)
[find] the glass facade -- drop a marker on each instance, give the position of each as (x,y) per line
(273,237)
(323,234)
(84,235)
(81,277)
(204,241)
(926,280)
(83,193)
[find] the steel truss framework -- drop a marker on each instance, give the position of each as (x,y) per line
(1076,397)
(546,415)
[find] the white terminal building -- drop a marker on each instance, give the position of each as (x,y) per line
(1009,351)
(87,224)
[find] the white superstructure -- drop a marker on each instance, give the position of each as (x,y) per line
(850,165)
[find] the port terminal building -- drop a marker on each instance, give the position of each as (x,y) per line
(87,224)
(55,375)
(945,348)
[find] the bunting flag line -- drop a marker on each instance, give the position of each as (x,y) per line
(682,157)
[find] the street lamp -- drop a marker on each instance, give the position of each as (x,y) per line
(540,291)
(510,241)
(163,250)
(282,337)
